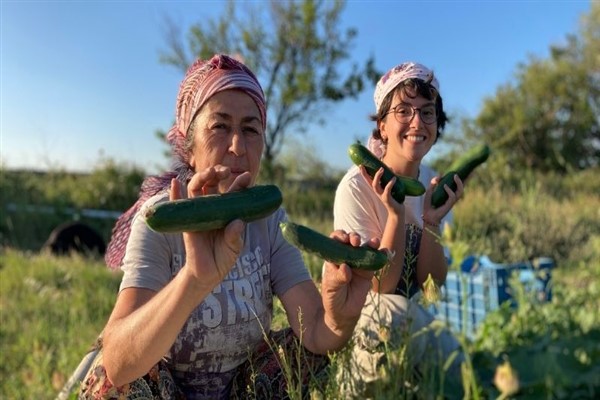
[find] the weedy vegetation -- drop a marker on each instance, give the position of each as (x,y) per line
(53,308)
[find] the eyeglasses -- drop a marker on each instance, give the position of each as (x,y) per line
(405,113)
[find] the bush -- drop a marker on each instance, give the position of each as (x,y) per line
(512,227)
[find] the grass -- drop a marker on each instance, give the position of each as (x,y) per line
(52,309)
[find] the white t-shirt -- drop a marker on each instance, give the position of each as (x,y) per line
(357,208)
(233,319)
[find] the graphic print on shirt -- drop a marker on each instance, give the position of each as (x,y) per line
(231,317)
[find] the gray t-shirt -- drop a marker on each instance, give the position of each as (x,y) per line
(233,319)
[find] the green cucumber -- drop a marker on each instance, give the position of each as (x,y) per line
(214,211)
(331,250)
(463,167)
(404,185)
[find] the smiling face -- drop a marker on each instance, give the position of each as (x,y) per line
(228,131)
(407,143)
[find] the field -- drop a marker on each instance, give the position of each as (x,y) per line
(53,308)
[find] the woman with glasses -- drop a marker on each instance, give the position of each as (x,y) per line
(409,120)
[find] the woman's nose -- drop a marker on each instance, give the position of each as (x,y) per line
(416,118)
(238,143)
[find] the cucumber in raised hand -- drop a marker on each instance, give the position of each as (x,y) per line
(462,167)
(214,211)
(404,186)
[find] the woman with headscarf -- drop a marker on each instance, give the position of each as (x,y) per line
(409,120)
(193,307)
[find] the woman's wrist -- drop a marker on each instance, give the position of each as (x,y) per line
(430,223)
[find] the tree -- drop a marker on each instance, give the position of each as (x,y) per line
(549,118)
(296,50)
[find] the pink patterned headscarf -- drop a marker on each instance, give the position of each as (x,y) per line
(388,82)
(203,79)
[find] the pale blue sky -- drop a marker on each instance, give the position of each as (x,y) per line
(81,80)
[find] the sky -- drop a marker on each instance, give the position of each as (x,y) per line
(81,81)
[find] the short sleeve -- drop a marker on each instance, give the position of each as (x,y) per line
(356,210)
(147,261)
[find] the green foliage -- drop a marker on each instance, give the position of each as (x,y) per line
(33,203)
(553,346)
(110,186)
(548,119)
(512,227)
(52,309)
(539,215)
(295,48)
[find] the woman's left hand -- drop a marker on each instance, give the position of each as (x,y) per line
(344,290)
(435,215)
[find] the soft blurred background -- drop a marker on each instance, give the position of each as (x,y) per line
(88,91)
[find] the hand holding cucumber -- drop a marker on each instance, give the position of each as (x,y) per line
(403,185)
(343,289)
(216,250)
(384,192)
(349,269)
(462,167)
(335,251)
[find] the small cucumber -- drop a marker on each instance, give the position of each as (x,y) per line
(462,167)
(404,185)
(213,211)
(331,250)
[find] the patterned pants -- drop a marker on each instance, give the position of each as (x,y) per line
(278,366)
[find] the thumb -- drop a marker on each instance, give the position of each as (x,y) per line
(233,235)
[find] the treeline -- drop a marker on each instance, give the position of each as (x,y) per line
(510,215)
(33,203)
(538,192)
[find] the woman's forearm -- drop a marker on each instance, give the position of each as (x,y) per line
(133,342)
(432,259)
(393,240)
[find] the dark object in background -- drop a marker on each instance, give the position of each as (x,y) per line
(75,237)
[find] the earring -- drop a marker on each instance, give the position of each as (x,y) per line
(382,147)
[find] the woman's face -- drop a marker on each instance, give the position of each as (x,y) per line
(407,141)
(228,131)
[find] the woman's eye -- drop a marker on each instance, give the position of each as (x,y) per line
(429,111)
(249,130)
(219,127)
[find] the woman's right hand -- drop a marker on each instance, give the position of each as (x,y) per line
(384,193)
(210,255)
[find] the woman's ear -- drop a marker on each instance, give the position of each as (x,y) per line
(382,131)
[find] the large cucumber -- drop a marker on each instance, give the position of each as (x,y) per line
(215,211)
(462,167)
(404,185)
(331,250)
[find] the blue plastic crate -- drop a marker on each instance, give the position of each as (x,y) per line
(482,286)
